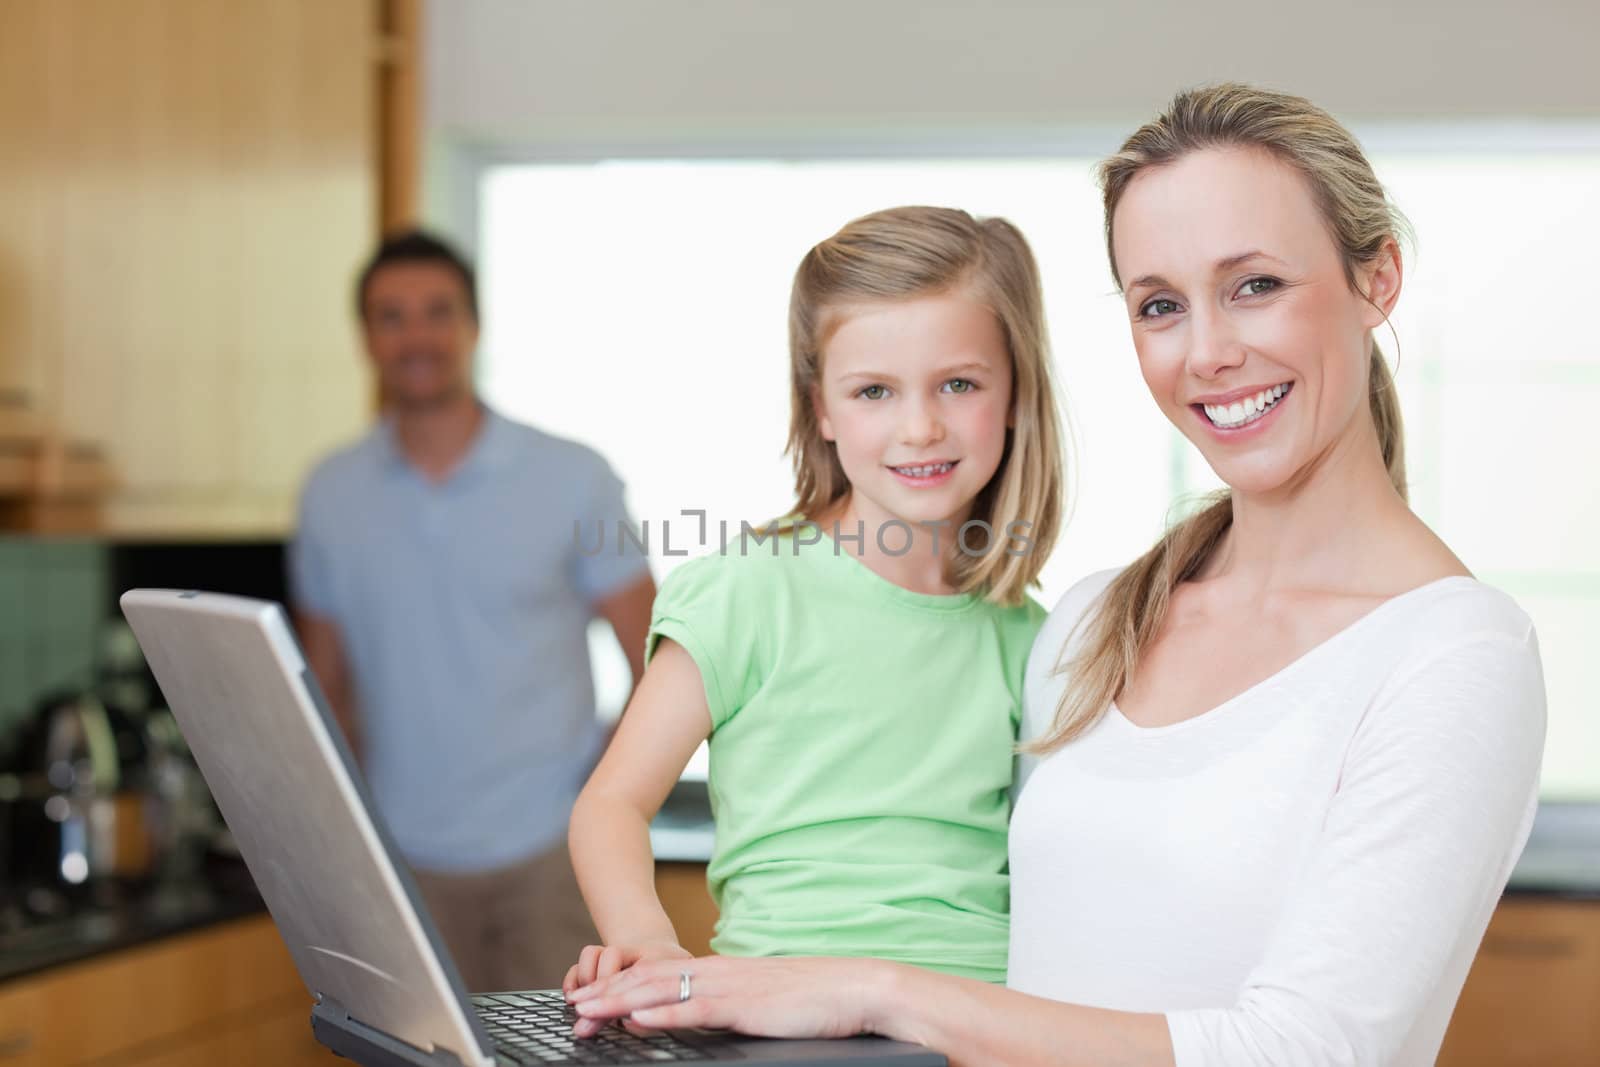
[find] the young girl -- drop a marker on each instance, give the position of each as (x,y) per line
(857,667)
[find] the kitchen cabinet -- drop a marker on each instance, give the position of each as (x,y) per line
(687,902)
(19,1007)
(225,994)
(1533,995)
(189,188)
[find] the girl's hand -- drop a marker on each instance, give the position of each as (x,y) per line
(603,961)
(763,997)
(597,962)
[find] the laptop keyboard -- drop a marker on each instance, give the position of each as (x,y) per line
(536,1028)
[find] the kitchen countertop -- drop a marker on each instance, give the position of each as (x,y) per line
(1563,855)
(683,832)
(1562,859)
(1543,871)
(136,920)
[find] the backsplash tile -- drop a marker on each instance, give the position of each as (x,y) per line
(52,594)
(57,597)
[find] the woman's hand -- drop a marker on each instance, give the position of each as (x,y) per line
(763,997)
(597,962)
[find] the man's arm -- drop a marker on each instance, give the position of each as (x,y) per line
(324,650)
(628,611)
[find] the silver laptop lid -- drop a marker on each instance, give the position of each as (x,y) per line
(284,781)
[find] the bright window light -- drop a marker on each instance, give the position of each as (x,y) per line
(639,306)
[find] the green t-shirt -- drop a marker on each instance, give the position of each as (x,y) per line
(861,755)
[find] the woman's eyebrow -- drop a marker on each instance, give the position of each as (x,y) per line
(1229,262)
(1226,263)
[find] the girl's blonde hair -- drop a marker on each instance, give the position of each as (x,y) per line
(910,252)
(1362,222)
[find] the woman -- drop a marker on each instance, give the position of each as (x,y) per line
(1281,766)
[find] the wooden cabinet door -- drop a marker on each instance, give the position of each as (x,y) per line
(687,902)
(1533,996)
(273,1036)
(188,190)
(19,1038)
(154,1001)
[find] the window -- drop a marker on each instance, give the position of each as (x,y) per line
(640,306)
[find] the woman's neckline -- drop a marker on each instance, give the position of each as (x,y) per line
(1294,665)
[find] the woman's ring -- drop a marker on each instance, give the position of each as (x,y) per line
(685,989)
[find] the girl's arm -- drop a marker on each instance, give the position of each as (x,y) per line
(609,834)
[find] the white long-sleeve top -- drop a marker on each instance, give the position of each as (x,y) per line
(1301,875)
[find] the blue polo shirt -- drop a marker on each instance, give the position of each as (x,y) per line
(463,607)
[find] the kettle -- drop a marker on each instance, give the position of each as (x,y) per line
(77,814)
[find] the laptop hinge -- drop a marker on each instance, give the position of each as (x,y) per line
(334,1027)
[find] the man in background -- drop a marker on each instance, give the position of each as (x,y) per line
(444,605)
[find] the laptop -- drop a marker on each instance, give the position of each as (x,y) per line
(385,992)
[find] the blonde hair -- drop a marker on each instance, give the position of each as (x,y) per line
(1361,221)
(908,252)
